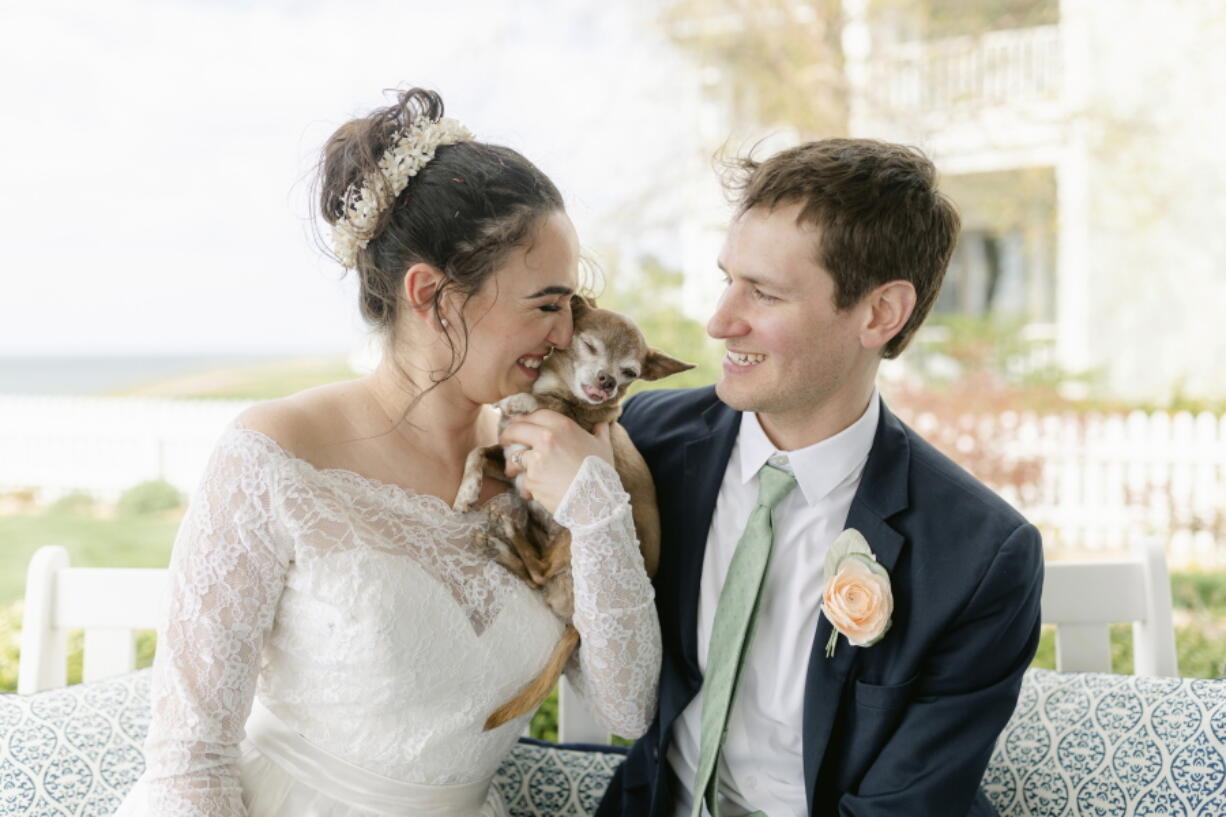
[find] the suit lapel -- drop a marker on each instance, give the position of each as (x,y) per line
(881,494)
(706,458)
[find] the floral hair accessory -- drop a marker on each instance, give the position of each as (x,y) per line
(857,597)
(412,149)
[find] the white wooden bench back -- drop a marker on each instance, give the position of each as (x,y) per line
(109,604)
(112,604)
(1082,599)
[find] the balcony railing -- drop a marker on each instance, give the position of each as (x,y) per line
(992,69)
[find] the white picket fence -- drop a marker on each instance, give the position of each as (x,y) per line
(1099,482)
(1091,482)
(105,445)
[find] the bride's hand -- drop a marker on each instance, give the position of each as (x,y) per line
(557,446)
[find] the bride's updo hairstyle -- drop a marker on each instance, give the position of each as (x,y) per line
(462,212)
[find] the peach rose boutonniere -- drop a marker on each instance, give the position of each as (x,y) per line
(856,597)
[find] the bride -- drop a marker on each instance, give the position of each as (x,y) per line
(335,639)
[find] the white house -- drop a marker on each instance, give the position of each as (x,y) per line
(1087,160)
(1107,132)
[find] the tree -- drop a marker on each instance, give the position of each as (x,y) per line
(955,18)
(775,62)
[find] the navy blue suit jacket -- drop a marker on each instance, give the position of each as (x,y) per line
(903,727)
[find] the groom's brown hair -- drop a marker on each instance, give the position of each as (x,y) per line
(878,210)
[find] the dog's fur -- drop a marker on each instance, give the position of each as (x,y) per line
(585,382)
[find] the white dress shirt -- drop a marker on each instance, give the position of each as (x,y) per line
(761,766)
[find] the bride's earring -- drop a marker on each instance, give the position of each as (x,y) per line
(443,322)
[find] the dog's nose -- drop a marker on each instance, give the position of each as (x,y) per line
(606,381)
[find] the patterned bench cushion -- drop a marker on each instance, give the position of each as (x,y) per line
(1078,745)
(1093,745)
(77,751)
(556,780)
(73,751)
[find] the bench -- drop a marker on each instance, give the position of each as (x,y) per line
(1081,742)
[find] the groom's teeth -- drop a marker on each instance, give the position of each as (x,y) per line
(530,362)
(744,359)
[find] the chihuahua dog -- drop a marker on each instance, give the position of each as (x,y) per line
(585,382)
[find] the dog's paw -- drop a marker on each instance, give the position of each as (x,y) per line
(502,553)
(559,594)
(494,547)
(487,542)
(501,524)
(469,492)
(466,498)
(522,403)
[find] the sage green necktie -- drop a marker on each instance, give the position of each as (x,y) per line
(732,630)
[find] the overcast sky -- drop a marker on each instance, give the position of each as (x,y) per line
(156,155)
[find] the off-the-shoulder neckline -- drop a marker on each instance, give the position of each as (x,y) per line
(387,490)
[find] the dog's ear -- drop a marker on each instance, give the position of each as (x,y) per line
(658,365)
(580,304)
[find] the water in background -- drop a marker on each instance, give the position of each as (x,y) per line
(107,375)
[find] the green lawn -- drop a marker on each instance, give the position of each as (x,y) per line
(256,382)
(142,541)
(145,541)
(1200,648)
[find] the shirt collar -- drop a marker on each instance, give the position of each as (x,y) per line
(820,467)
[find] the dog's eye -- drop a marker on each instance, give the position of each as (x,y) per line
(630,373)
(590,347)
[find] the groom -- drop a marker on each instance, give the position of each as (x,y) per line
(833,259)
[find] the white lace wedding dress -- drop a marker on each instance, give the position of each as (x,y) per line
(375,637)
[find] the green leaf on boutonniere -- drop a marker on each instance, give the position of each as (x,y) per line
(849,542)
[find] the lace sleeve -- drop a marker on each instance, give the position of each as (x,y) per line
(615,614)
(226,574)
